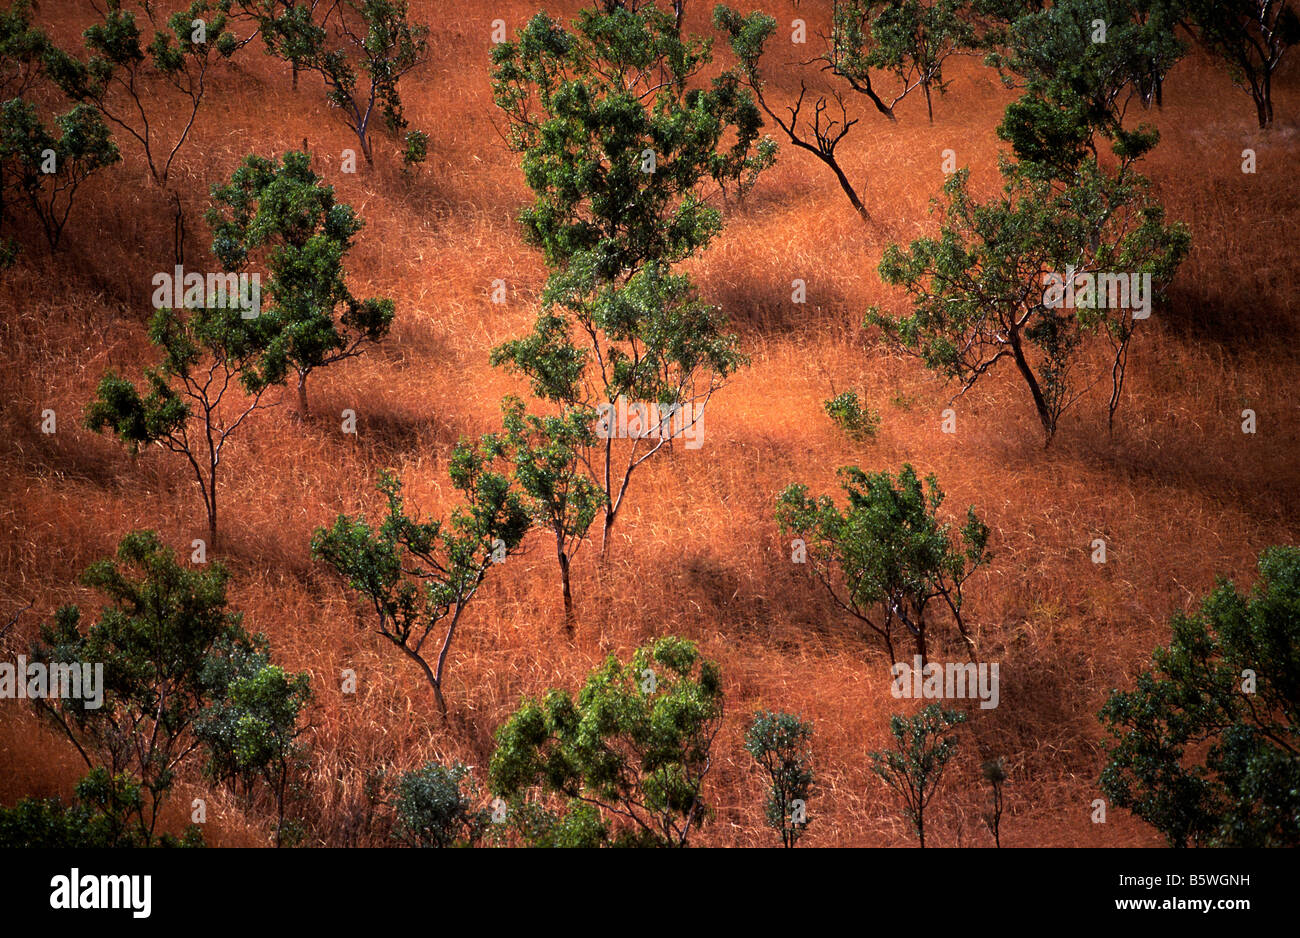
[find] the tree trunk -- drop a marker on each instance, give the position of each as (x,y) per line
(302,394)
(1040,402)
(210,503)
(604,532)
(848,189)
(1266,109)
(178,233)
(564,581)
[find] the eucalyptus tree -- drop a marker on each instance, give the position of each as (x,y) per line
(546,457)
(142,66)
(1066,259)
(181,677)
(1206,745)
(360,49)
(619,136)
(45,156)
(781,745)
(914,768)
(635,744)
(886,559)
(1251,37)
(210,380)
(908,41)
(417,577)
(284,218)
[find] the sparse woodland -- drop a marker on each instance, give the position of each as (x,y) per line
(641,423)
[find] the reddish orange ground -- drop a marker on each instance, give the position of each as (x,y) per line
(1180,494)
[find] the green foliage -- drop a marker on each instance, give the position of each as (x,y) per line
(24,50)
(619,137)
(165,634)
(781,744)
(99,816)
(977,290)
(1204,748)
(577,825)
(126,67)
(850,415)
(1077,87)
(432,811)
(583,106)
(635,743)
(914,767)
(748,36)
(418,576)
(348,40)
(206,355)
(286,218)
(651,340)
(546,455)
(906,38)
(38,169)
(1251,37)
(886,559)
(417,147)
(658,340)
(251,729)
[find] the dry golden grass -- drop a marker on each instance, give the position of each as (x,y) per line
(1180,494)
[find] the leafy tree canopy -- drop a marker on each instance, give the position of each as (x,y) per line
(635,743)
(1206,747)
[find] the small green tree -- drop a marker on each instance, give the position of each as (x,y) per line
(886,559)
(1250,37)
(160,642)
(848,412)
(417,576)
(433,811)
(546,453)
(993,285)
(347,40)
(38,169)
(618,144)
(1206,747)
(133,80)
(24,50)
(122,77)
(1081,63)
(101,814)
(914,768)
(906,39)
(781,744)
(252,729)
(286,218)
(189,404)
(46,171)
(281,24)
(635,743)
